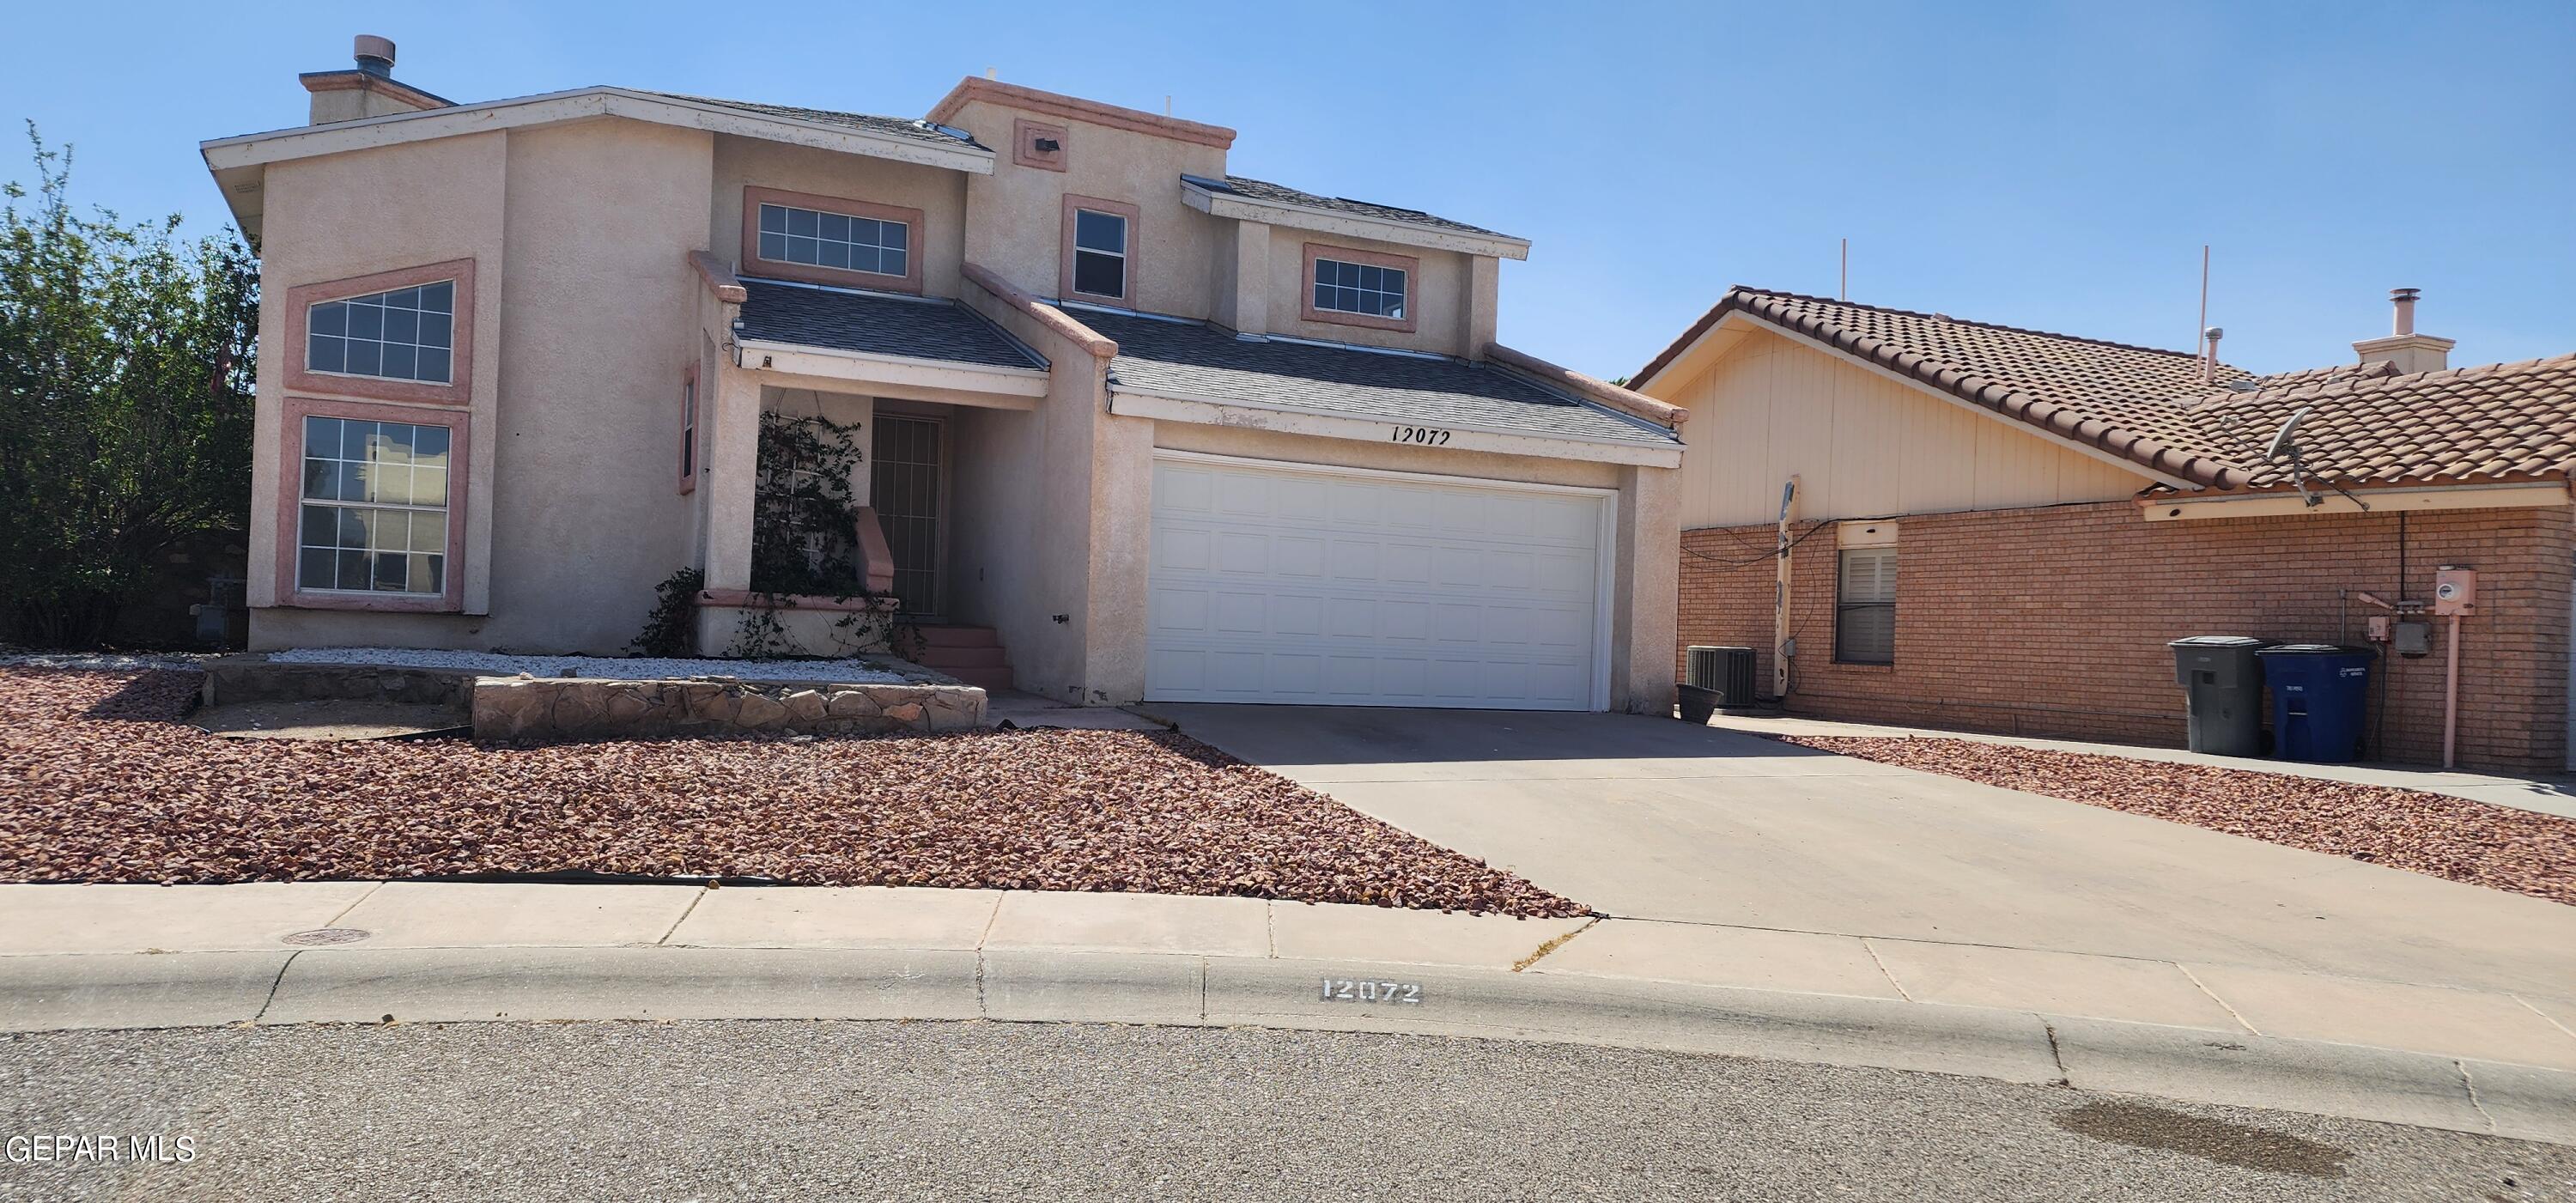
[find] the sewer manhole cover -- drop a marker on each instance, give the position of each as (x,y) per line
(328,935)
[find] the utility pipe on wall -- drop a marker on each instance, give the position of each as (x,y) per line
(1781,647)
(2451,700)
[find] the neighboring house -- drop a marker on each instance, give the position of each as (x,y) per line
(1138,428)
(2000,529)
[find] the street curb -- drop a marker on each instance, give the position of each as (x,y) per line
(660,983)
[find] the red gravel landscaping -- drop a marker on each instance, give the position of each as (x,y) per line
(98,784)
(2433,834)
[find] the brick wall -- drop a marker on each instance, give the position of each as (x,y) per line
(2053,621)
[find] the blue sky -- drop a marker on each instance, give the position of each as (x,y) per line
(2048,165)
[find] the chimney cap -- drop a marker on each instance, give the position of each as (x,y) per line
(2213,334)
(2404,294)
(374,53)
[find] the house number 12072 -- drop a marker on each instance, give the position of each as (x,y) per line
(1342,989)
(1425,435)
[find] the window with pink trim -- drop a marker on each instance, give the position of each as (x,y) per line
(373,510)
(371,506)
(689,430)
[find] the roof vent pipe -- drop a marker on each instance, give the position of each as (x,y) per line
(375,54)
(2403,322)
(2209,354)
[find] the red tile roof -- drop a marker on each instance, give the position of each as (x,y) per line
(2366,425)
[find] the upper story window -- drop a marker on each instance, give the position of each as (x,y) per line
(1346,286)
(373,507)
(403,334)
(835,240)
(1099,253)
(1365,288)
(831,240)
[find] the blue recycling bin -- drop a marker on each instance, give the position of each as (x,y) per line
(2319,693)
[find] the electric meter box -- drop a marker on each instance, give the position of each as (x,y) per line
(2455,591)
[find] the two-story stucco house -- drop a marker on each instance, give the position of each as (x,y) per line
(1136,427)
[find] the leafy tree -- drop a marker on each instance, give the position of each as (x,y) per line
(125,402)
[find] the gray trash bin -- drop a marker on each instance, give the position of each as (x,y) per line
(2222,682)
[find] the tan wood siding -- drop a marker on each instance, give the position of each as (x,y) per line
(1861,444)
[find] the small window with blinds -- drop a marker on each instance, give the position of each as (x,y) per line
(1865,607)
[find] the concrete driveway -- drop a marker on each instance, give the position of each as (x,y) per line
(1655,819)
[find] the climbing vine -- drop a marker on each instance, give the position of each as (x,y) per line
(805,519)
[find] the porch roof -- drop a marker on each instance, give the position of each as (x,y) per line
(872,323)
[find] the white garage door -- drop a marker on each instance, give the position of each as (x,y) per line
(1278,583)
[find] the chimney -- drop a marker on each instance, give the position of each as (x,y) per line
(2209,354)
(2411,352)
(367,89)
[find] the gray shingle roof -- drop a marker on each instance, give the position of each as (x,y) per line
(876,324)
(900,126)
(1198,362)
(1252,189)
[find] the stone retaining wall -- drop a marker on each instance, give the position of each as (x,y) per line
(586,708)
(256,678)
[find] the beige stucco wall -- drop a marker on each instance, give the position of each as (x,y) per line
(1023,547)
(939,193)
(353,215)
(581,343)
(1018,226)
(1443,294)
(1861,444)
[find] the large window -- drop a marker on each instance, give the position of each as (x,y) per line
(1099,254)
(1865,607)
(1361,288)
(405,334)
(835,240)
(375,507)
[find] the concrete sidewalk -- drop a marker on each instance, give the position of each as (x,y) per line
(2546,795)
(2498,1062)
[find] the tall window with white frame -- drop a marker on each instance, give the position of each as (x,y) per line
(374,508)
(1361,288)
(836,240)
(405,334)
(1865,607)
(1100,254)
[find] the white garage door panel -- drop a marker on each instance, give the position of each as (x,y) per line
(1273,584)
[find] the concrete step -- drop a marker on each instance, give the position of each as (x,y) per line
(956,636)
(945,658)
(988,679)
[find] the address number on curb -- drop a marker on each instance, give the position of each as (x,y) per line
(1343,989)
(1428,436)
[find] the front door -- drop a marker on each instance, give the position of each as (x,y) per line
(905,485)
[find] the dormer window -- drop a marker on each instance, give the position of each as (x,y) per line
(404,334)
(1342,287)
(1346,286)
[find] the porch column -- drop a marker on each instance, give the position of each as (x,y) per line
(1644,627)
(733,467)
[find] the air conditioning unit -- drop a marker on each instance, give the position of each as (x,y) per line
(1727,670)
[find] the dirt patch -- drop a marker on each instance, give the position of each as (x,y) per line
(2433,834)
(97,784)
(327,720)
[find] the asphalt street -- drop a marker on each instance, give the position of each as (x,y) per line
(985,1110)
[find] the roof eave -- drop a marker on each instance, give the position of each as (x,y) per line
(1350,225)
(259,149)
